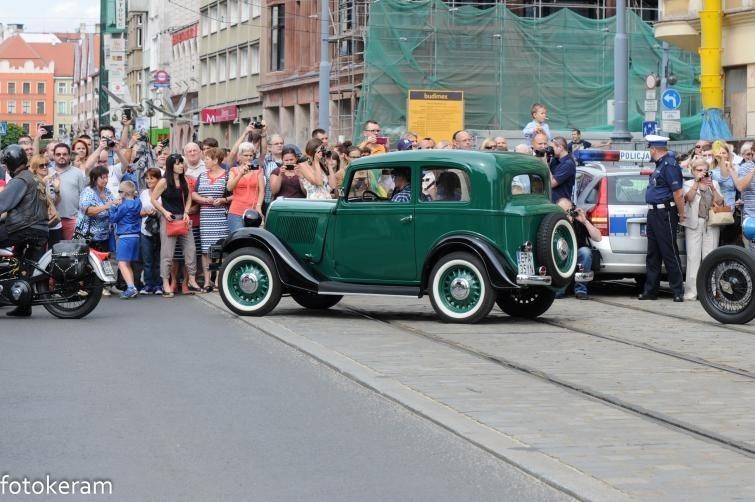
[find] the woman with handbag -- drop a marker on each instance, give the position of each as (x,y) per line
(702,198)
(149,240)
(172,198)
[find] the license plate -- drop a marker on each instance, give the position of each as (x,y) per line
(643,230)
(525,262)
(108,268)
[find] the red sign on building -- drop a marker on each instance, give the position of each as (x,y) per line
(185,34)
(221,114)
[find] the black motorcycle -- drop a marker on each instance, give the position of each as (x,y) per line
(67,280)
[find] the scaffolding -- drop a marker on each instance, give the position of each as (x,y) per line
(348,38)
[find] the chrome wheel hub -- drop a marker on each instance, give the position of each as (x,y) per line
(562,247)
(460,288)
(249,283)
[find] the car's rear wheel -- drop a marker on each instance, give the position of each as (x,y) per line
(726,285)
(314,301)
(460,290)
(557,248)
(526,302)
(249,282)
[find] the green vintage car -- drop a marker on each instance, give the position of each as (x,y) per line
(471,229)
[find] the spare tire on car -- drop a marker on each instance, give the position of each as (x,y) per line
(557,248)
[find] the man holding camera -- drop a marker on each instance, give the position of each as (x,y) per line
(584,230)
(665,199)
(563,169)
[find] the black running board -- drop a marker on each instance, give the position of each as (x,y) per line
(346,288)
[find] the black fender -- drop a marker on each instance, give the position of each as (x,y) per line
(291,271)
(494,261)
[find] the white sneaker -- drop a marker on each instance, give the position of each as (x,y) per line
(690,298)
(106,292)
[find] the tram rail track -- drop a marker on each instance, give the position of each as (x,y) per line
(741,447)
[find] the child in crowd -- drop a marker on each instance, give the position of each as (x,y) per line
(125,214)
(538,125)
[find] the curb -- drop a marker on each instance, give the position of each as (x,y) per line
(532,461)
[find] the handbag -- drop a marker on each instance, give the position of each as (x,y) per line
(720,216)
(152,224)
(175,228)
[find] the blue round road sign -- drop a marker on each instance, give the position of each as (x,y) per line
(671,99)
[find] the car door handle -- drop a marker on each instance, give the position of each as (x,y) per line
(407,219)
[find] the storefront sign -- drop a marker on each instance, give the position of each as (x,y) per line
(221,114)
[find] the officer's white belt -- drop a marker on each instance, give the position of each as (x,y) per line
(661,206)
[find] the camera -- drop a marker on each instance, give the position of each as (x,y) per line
(290,167)
(573,212)
(257,125)
(707,174)
(165,143)
(325,152)
(548,151)
(110,142)
(253,165)
(143,137)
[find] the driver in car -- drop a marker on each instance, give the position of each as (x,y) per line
(25,226)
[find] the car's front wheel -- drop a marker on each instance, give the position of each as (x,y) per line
(526,302)
(726,285)
(460,290)
(249,282)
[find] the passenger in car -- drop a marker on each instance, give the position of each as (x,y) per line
(449,186)
(403,190)
(700,194)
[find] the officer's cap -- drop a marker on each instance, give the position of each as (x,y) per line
(655,140)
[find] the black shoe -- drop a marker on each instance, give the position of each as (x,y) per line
(647,296)
(678,298)
(19,312)
(581,296)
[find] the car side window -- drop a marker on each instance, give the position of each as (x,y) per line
(525,184)
(371,185)
(445,185)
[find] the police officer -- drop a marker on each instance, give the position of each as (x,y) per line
(665,210)
(26,224)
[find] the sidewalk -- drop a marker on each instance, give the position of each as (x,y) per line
(584,446)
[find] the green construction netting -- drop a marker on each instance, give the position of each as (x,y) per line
(504,63)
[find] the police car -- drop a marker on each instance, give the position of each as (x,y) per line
(610,186)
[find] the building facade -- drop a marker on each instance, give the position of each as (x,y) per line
(229,58)
(86,85)
(679,25)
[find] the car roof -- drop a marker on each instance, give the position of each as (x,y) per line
(487,162)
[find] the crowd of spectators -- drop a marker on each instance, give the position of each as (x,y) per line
(208,188)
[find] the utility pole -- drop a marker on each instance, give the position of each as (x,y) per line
(621,77)
(324,118)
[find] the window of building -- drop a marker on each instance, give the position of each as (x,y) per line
(233,11)
(27,88)
(244,8)
(256,9)
(203,70)
(243,61)
(62,109)
(255,61)
(232,63)
(11,107)
(11,88)
(221,67)
(204,22)
(213,18)
(25,127)
(40,107)
(139,37)
(223,15)
(26,106)
(277,47)
(61,88)
(213,70)
(40,87)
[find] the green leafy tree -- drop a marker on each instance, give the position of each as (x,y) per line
(14,132)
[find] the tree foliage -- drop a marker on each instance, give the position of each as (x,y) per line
(14,132)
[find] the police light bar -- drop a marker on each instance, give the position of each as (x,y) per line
(583,156)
